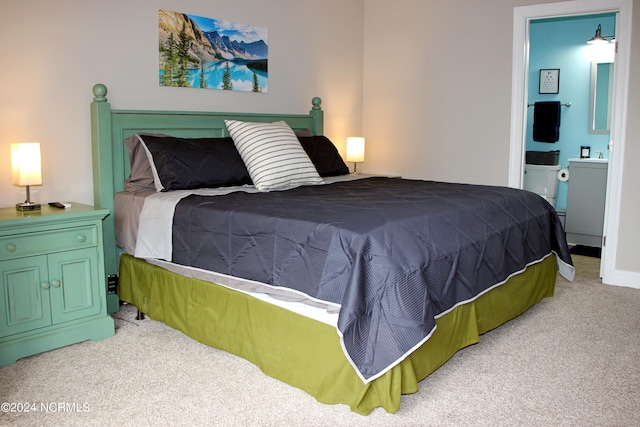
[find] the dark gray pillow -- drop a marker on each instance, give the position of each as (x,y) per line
(324,155)
(190,163)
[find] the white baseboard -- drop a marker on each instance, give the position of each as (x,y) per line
(629,279)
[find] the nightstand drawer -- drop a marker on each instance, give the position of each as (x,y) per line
(44,242)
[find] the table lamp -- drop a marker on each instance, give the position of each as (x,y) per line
(355,151)
(26,170)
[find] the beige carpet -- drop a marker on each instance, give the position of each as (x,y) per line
(572,360)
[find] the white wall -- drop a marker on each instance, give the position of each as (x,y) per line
(441,71)
(438,92)
(54,52)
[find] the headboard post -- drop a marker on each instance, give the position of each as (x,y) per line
(318,116)
(103,193)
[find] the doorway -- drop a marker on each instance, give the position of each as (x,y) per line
(523,16)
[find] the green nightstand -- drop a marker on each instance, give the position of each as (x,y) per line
(52,280)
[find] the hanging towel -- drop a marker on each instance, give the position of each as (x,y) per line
(546,121)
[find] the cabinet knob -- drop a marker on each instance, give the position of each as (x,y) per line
(56,283)
(45,285)
(11,247)
(81,237)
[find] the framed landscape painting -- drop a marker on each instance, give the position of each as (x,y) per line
(207,53)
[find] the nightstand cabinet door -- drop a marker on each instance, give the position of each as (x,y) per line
(75,291)
(25,295)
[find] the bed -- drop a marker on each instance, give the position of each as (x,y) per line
(323,283)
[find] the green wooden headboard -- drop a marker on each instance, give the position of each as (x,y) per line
(110,128)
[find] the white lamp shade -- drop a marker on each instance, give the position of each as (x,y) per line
(355,149)
(25,163)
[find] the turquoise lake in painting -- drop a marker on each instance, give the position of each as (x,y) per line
(241,76)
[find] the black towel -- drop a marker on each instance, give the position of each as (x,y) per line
(546,121)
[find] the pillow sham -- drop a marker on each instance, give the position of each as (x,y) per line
(190,163)
(324,155)
(273,155)
(141,177)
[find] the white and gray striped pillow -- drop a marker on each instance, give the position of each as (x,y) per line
(273,155)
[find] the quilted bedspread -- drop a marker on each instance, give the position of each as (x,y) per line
(394,253)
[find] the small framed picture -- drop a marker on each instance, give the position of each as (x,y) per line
(549,80)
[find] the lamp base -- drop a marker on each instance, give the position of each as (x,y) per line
(27,206)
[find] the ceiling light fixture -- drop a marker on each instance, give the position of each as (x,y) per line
(598,38)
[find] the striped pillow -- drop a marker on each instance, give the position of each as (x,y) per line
(273,155)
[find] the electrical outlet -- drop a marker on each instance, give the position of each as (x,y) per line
(112,283)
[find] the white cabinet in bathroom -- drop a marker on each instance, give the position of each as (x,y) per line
(585,201)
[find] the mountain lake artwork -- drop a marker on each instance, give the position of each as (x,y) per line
(208,53)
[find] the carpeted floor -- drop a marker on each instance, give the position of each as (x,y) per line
(572,360)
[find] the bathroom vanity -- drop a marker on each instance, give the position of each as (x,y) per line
(586,201)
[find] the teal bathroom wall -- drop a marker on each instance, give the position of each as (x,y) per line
(561,43)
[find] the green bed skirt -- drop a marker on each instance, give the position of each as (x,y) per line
(306,353)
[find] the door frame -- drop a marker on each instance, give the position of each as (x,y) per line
(522,17)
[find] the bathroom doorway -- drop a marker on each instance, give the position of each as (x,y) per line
(523,17)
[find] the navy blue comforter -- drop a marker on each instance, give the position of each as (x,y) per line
(394,253)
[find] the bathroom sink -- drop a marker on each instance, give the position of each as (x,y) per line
(589,160)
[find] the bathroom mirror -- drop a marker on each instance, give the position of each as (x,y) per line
(600,97)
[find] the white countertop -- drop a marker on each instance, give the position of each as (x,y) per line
(589,160)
